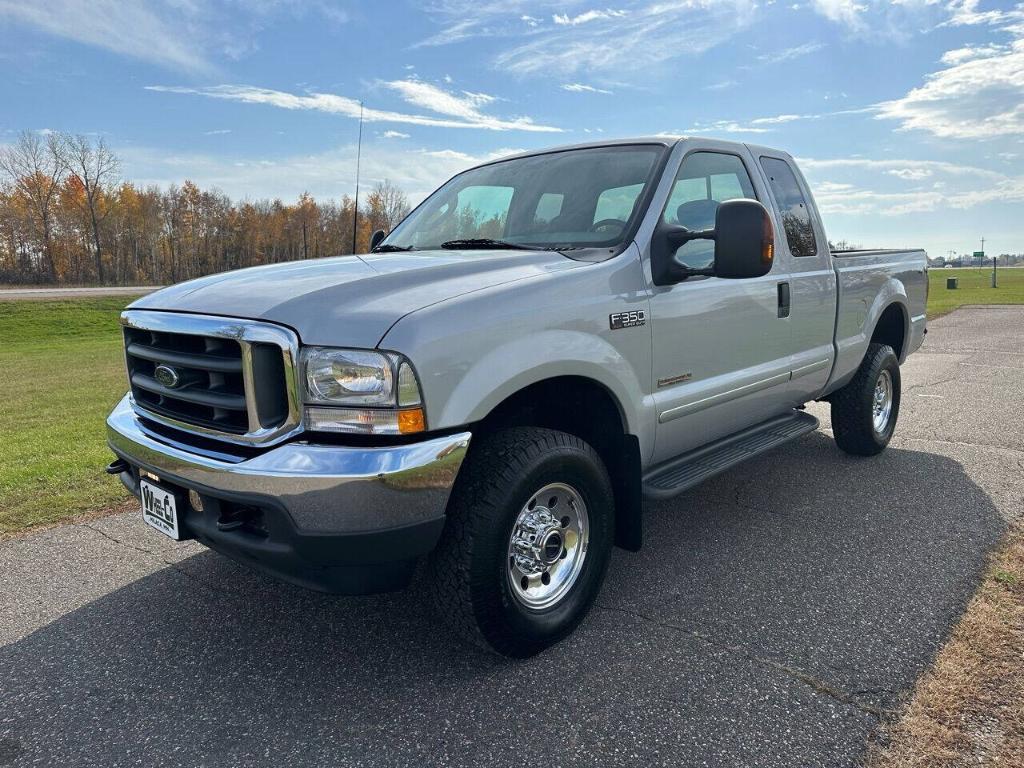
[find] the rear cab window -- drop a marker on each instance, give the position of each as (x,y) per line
(792,206)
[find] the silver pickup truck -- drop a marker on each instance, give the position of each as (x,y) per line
(543,343)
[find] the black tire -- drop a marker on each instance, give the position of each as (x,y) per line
(853,406)
(469,570)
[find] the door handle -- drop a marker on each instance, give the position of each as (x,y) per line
(783,299)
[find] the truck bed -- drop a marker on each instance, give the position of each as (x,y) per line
(869,281)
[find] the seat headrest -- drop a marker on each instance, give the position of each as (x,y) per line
(697,214)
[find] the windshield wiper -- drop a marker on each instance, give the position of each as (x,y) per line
(388,248)
(484,242)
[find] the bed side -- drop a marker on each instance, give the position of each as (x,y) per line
(881,294)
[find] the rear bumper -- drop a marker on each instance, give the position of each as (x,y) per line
(342,519)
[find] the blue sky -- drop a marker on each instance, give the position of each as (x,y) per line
(907,115)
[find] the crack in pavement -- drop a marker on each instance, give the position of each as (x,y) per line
(807,679)
(159,558)
(1013,452)
(912,387)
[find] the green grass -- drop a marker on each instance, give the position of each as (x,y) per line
(975,288)
(61,371)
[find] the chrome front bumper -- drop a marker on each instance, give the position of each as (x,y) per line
(324,489)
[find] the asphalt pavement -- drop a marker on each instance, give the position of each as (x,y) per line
(775,614)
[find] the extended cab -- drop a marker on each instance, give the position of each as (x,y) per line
(541,344)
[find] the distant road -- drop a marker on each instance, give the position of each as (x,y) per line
(15,294)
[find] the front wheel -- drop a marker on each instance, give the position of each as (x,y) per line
(864,412)
(527,541)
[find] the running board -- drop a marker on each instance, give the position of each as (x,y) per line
(676,475)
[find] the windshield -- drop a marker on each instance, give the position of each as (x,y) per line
(579,198)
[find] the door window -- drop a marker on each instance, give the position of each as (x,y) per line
(705,179)
(796,218)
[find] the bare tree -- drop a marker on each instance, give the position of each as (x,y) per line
(388,205)
(95,166)
(36,167)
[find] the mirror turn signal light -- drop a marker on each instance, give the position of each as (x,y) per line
(767,241)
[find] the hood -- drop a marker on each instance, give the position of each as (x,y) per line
(351,300)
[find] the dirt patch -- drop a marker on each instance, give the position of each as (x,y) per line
(969,708)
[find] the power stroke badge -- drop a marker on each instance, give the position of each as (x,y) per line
(627,319)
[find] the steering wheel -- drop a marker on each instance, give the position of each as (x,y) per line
(598,225)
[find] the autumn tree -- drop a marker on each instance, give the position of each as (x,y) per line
(65,217)
(95,167)
(35,166)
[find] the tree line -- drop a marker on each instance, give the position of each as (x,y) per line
(66,216)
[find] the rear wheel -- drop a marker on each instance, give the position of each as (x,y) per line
(527,541)
(864,412)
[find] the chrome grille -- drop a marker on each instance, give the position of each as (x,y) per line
(219,377)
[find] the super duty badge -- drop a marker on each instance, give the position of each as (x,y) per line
(627,319)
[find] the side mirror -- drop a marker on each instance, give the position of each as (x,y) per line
(744,240)
(376,238)
(744,244)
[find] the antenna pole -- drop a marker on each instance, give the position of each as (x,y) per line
(359,155)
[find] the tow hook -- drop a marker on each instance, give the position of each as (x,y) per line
(117,466)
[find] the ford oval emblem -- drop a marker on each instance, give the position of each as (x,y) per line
(166,376)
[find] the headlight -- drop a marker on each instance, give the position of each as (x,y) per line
(349,376)
(361,391)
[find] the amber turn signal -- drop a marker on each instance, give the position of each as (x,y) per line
(767,241)
(411,420)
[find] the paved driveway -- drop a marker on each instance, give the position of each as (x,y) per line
(775,613)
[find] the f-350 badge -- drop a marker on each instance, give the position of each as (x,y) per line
(629,319)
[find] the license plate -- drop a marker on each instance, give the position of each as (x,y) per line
(159,509)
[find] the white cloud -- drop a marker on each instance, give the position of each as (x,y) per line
(760,124)
(788,54)
(395,135)
(848,12)
(968,53)
(910,174)
(978,95)
(167,34)
(218,132)
(966,13)
(859,186)
(460,110)
(581,88)
(600,40)
(325,175)
(582,18)
(184,35)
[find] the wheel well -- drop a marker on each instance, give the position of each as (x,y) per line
(891,329)
(585,408)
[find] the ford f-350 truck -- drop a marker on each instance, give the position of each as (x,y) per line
(543,343)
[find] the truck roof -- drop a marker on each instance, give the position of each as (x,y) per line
(662,140)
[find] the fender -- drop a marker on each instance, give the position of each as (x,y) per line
(518,363)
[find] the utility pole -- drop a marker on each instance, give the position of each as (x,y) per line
(359,155)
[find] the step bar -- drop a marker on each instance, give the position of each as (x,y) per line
(683,472)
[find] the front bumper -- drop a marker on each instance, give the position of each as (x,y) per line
(342,519)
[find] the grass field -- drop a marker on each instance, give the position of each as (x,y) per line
(975,288)
(61,371)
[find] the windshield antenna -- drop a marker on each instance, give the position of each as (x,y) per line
(359,154)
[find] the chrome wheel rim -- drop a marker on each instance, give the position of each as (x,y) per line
(547,546)
(881,407)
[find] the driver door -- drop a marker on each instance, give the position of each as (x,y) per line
(721,350)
